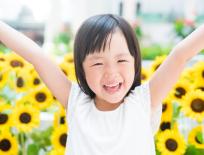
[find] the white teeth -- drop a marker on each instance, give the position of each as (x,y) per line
(112,85)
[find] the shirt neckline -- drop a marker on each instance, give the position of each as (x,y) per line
(95,109)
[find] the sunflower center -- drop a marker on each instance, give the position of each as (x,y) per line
(1,77)
(20,82)
(70,61)
(180,92)
(171,144)
(40,97)
(197,140)
(157,67)
(201,88)
(36,81)
(62,120)
(16,63)
(143,77)
(165,125)
(197,105)
(203,74)
(5,145)
(3,118)
(2,59)
(25,117)
(63,139)
(64,72)
(164,107)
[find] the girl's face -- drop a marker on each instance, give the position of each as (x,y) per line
(110,73)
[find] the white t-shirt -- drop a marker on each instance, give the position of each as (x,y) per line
(127,130)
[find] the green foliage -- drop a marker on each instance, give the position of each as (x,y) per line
(200,137)
(183,29)
(42,138)
(191,150)
(33,149)
(62,37)
(149,53)
(4,49)
(176,113)
(138,32)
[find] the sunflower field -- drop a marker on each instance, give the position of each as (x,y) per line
(24,99)
(181,130)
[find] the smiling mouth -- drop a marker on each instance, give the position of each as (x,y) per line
(113,88)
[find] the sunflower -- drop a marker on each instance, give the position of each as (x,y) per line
(26,117)
(199,71)
(35,79)
(25,100)
(64,68)
(167,109)
(8,144)
(179,91)
(5,118)
(69,58)
(2,58)
(198,85)
(60,117)
(59,138)
(193,137)
(68,69)
(171,142)
(193,105)
(156,63)
(164,125)
(3,63)
(56,151)
(145,74)
(42,97)
(71,72)
(188,74)
(4,74)
(15,62)
(22,81)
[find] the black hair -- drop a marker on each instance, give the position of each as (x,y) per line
(92,37)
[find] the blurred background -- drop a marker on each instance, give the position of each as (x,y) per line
(33,122)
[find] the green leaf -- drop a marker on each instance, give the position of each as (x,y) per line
(200,137)
(157,152)
(176,110)
(42,138)
(33,149)
(191,150)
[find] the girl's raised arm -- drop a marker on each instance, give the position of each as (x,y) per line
(168,73)
(50,73)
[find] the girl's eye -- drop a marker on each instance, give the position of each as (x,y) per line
(97,64)
(122,61)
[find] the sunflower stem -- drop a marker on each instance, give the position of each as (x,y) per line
(22,136)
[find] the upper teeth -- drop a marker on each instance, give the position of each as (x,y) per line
(112,85)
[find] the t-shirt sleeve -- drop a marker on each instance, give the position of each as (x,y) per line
(155,115)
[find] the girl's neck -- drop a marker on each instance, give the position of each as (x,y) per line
(103,105)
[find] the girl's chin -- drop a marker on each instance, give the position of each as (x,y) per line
(115,101)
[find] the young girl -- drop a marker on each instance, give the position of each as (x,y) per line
(109,112)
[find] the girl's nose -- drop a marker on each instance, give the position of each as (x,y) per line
(111,72)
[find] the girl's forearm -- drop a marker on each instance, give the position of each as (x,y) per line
(191,45)
(19,43)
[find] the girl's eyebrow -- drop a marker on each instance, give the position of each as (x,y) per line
(122,55)
(96,57)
